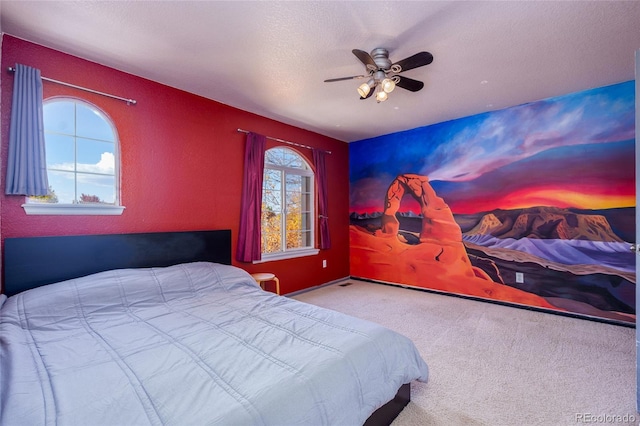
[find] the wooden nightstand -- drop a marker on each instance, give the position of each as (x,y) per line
(262,277)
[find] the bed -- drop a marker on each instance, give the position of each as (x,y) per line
(159,328)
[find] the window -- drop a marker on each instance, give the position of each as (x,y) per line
(82,161)
(287,205)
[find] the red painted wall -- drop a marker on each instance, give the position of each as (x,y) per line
(181,162)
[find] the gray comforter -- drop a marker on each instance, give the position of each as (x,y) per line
(196,343)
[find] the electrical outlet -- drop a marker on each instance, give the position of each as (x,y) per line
(519,277)
(324,263)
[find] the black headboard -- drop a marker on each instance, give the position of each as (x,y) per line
(36,261)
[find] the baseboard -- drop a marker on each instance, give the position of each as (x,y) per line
(503,303)
(315,287)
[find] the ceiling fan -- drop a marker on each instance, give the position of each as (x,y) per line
(383,76)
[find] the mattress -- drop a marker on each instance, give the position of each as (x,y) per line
(197,343)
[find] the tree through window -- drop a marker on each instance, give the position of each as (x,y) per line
(287,204)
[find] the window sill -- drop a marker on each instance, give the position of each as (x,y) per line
(72,209)
(287,255)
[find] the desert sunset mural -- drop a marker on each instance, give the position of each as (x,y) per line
(533,205)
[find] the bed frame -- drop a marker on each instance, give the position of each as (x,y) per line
(36,261)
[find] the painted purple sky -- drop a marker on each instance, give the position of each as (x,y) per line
(576,150)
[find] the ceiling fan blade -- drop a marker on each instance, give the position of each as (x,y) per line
(409,83)
(418,60)
(329,80)
(365,58)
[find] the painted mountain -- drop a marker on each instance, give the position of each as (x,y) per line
(574,259)
(423,250)
(571,258)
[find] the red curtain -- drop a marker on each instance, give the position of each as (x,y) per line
(321,183)
(249,235)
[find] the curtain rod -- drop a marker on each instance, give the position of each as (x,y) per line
(128,101)
(287,142)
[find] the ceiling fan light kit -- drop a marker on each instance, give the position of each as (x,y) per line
(365,88)
(383,75)
(381,95)
(388,85)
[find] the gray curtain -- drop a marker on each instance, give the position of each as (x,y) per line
(26,161)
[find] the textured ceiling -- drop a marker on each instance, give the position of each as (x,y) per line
(271,58)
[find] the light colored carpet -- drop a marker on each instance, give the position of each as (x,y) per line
(498,365)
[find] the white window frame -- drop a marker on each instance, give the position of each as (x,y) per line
(35,208)
(294,252)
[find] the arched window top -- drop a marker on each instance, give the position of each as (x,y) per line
(78,118)
(285,157)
